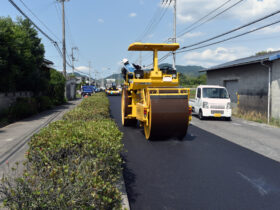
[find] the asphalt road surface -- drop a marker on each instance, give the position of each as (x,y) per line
(203,171)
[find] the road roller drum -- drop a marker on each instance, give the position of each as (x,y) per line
(168,117)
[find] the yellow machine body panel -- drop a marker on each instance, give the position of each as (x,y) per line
(163,81)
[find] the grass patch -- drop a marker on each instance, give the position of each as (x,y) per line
(275,122)
(254,116)
(73,163)
(249,115)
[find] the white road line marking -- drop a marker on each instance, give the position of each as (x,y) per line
(10,139)
(255,183)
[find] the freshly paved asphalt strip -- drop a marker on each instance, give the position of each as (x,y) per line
(203,171)
(258,137)
(14,137)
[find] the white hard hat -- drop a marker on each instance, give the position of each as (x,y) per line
(125,60)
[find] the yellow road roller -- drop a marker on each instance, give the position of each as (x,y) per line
(153,98)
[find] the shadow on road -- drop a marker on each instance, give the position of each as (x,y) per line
(212,118)
(188,137)
(129,179)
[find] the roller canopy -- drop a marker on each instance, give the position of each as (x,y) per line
(138,46)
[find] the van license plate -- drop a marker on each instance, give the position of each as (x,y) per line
(217,115)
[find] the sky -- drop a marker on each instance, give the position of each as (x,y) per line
(102,30)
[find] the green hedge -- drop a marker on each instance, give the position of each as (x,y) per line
(22,108)
(73,163)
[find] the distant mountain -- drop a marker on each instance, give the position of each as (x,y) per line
(114,76)
(77,74)
(188,70)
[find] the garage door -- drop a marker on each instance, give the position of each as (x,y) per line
(232,87)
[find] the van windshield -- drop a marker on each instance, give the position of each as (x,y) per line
(215,93)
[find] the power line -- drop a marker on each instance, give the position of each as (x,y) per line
(38,19)
(210,13)
(211,18)
(205,17)
(233,37)
(162,15)
(224,40)
(39,29)
(226,33)
(155,20)
(233,30)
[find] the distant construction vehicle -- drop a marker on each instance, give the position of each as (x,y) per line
(153,98)
(111,88)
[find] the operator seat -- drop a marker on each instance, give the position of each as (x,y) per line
(138,73)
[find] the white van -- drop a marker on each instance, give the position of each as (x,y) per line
(211,101)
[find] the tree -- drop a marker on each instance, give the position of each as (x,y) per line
(186,80)
(21,56)
(56,87)
(263,52)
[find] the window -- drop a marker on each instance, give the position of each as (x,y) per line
(215,93)
(198,93)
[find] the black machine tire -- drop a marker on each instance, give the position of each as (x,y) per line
(200,115)
(126,110)
(167,117)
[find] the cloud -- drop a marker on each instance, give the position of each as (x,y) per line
(272,49)
(189,35)
(100,20)
(271,30)
(82,68)
(216,56)
(191,10)
(133,14)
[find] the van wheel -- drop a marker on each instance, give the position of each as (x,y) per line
(200,115)
(228,118)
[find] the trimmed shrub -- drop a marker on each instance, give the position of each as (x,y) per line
(56,87)
(73,163)
(90,109)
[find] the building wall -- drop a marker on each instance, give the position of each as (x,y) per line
(71,89)
(252,85)
(7,99)
(275,90)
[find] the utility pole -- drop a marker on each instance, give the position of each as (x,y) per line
(89,67)
(174,31)
(73,58)
(63,37)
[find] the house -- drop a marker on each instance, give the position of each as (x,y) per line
(252,82)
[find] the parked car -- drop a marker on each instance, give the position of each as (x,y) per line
(211,101)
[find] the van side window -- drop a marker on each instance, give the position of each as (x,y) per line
(198,93)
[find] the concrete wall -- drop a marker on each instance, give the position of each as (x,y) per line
(252,85)
(7,99)
(275,90)
(71,89)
